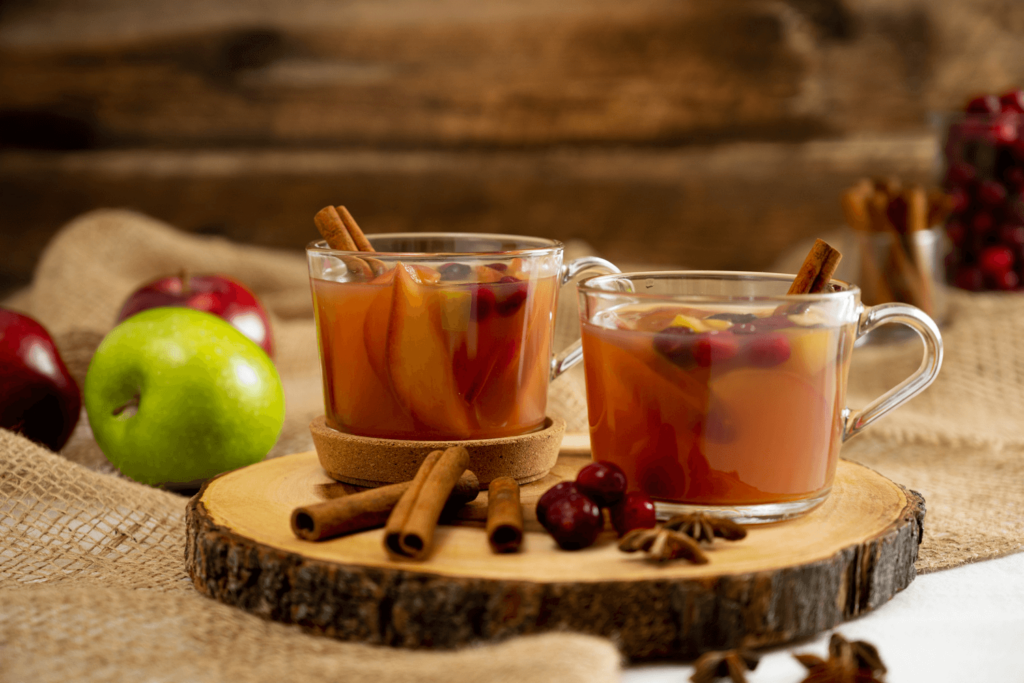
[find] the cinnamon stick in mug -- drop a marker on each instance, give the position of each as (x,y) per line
(817,269)
(367,509)
(333,229)
(504,515)
(409,532)
(362,244)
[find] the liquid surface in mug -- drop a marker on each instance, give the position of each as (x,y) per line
(454,352)
(718,408)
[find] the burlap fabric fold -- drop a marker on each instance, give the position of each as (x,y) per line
(92,588)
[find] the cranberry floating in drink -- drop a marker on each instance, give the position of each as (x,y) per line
(721,392)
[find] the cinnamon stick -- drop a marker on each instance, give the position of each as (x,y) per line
(367,509)
(874,288)
(817,269)
(362,244)
(903,275)
(333,229)
(409,532)
(917,223)
(504,515)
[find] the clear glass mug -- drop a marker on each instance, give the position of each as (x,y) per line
(718,392)
(440,336)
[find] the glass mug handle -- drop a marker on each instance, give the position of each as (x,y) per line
(573,354)
(917,320)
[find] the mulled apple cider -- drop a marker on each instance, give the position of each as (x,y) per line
(437,337)
(720,392)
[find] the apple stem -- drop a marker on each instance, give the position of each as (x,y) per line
(184,276)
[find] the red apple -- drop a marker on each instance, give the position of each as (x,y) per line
(216,294)
(38,398)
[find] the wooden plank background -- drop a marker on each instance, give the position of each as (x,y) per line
(670,131)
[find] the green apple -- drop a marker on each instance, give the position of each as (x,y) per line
(176,395)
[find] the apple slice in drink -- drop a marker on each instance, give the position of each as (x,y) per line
(375,330)
(418,359)
(772,412)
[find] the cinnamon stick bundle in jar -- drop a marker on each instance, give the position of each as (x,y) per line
(897,253)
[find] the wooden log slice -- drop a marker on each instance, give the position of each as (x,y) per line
(783,582)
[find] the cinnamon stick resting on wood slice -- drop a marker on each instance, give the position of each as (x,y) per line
(817,269)
(367,509)
(504,515)
(409,532)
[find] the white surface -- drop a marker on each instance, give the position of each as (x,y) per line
(963,625)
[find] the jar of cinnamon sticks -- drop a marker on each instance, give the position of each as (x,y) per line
(898,243)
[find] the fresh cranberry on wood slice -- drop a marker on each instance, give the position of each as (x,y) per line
(992,193)
(603,482)
(635,511)
(983,104)
(970,278)
(574,521)
(712,348)
(676,344)
(1012,101)
(562,488)
(511,295)
(483,303)
(455,271)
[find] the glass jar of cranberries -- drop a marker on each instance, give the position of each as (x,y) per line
(984,153)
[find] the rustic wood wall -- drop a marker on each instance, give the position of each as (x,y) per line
(672,131)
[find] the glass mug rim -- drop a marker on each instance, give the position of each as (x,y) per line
(593,285)
(544,246)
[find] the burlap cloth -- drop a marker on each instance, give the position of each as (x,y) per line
(92,584)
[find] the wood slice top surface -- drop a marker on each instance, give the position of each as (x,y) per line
(256,503)
(785,581)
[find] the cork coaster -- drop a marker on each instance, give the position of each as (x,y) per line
(367,461)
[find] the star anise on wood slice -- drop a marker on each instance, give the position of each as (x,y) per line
(848,662)
(731,664)
(662,545)
(704,528)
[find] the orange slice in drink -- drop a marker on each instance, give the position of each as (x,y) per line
(418,359)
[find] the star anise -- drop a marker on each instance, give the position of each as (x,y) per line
(704,528)
(731,664)
(662,545)
(848,662)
